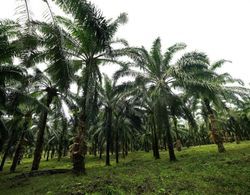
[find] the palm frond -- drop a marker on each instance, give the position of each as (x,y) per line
(218,64)
(171,51)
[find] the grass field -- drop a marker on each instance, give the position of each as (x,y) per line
(199,170)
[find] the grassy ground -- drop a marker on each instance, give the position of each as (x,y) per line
(199,170)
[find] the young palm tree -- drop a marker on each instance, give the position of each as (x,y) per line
(111,95)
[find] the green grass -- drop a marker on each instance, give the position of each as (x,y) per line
(199,170)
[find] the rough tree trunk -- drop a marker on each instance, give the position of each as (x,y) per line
(41,131)
(170,146)
(216,137)
(79,149)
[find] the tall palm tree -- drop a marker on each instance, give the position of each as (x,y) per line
(88,43)
(58,70)
(159,76)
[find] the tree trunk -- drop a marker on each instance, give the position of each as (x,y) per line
(178,140)
(169,139)
(95,147)
(41,131)
(18,152)
(170,146)
(123,149)
(20,146)
(117,145)
(108,134)
(52,153)
(126,148)
(6,153)
(165,142)
(65,150)
(47,158)
(111,145)
(156,146)
(237,139)
(4,158)
(79,149)
(4,134)
(61,141)
(217,139)
(100,151)
(155,143)
(44,153)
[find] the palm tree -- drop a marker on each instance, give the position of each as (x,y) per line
(58,70)
(159,77)
(178,109)
(88,43)
(51,96)
(12,92)
(20,145)
(16,103)
(210,88)
(41,130)
(111,95)
(9,33)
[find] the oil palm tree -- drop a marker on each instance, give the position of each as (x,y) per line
(111,96)
(16,103)
(160,76)
(211,88)
(58,71)
(89,45)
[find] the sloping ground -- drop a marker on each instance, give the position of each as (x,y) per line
(199,170)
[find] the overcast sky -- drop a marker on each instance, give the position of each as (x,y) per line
(218,27)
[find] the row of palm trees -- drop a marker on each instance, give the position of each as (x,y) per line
(162,104)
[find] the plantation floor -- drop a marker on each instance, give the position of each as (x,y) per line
(199,170)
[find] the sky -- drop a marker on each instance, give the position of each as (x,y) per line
(220,28)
